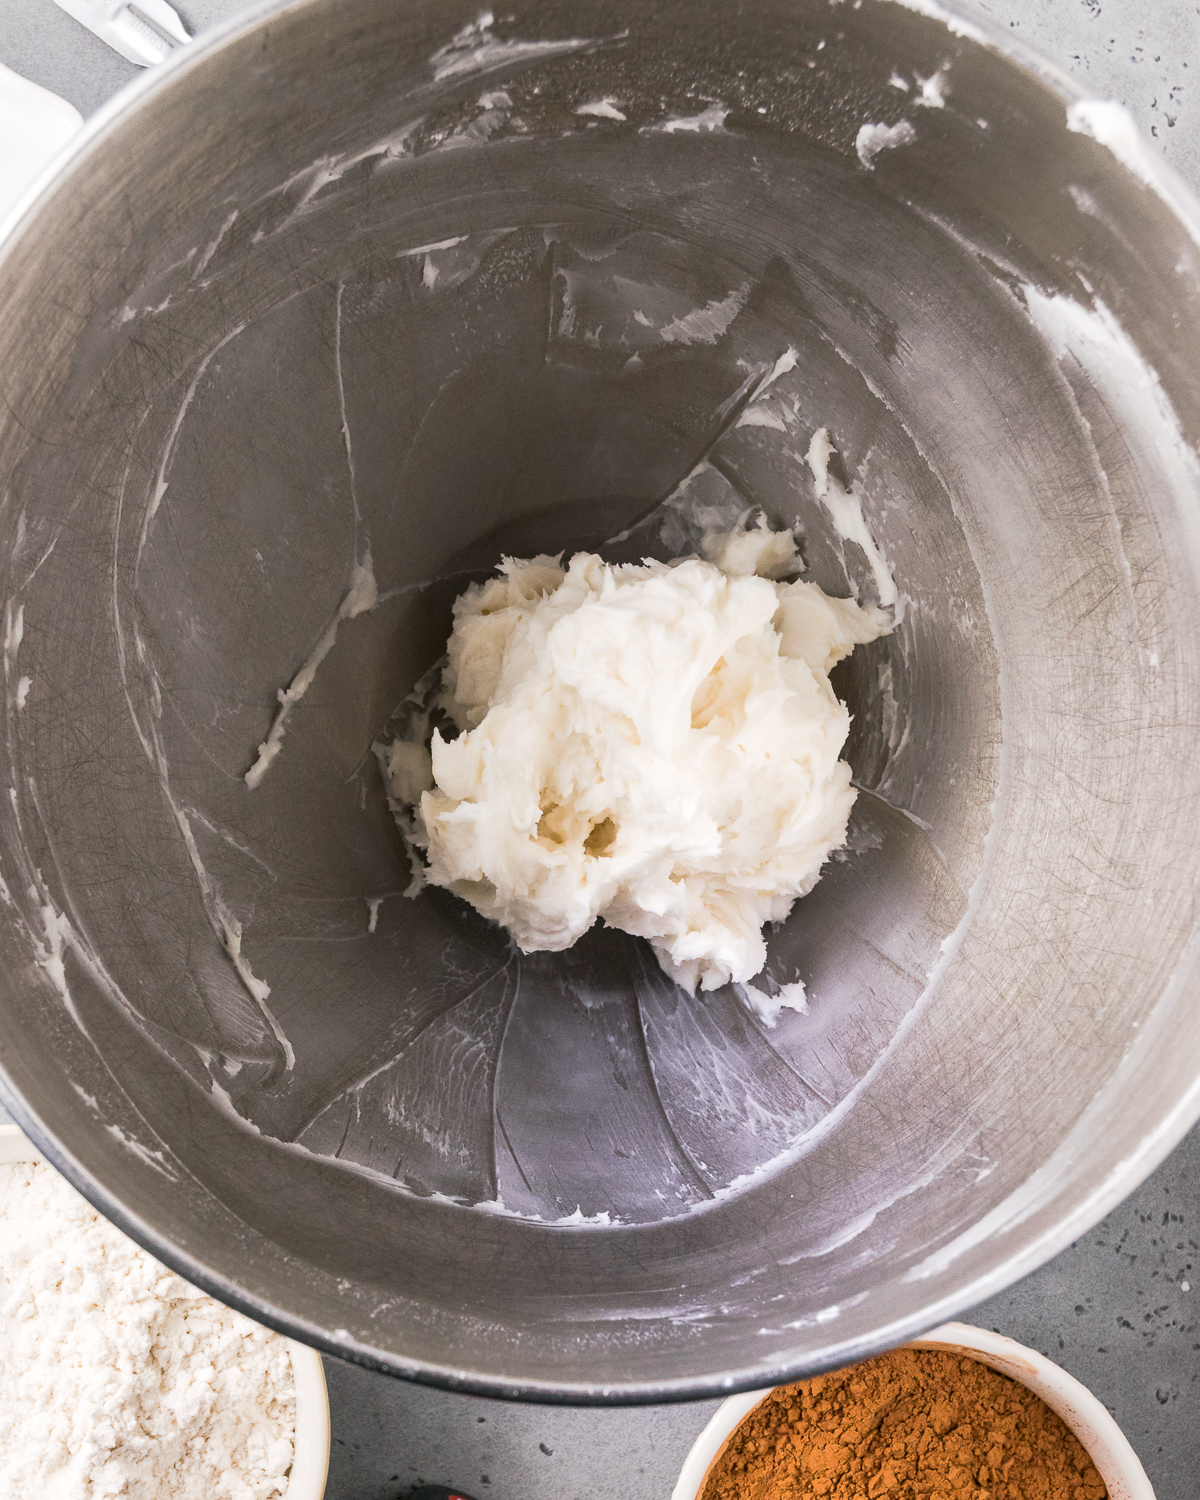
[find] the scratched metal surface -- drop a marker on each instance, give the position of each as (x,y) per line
(266,359)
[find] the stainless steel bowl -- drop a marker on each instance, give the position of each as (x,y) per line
(410,280)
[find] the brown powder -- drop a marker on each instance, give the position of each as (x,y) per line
(916,1424)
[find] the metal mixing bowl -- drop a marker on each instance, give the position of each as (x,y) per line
(397,278)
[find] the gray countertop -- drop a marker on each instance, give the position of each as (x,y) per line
(1117,1308)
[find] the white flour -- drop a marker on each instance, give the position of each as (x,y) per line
(117,1378)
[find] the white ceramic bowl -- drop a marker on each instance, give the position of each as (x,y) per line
(1103,1440)
(310,1462)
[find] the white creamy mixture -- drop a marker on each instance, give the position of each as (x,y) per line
(117,1377)
(655,744)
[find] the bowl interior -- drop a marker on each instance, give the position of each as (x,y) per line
(400,287)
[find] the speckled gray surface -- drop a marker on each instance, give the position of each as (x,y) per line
(1117,1308)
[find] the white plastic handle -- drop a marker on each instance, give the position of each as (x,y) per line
(144,31)
(34,125)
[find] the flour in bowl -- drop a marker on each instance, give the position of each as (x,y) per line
(118,1378)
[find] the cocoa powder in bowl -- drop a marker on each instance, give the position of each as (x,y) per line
(915,1424)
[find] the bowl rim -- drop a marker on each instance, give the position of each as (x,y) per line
(1112,1182)
(1082,1411)
(310,1453)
